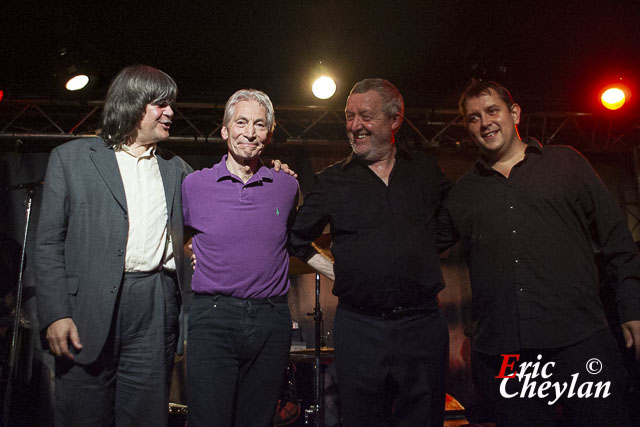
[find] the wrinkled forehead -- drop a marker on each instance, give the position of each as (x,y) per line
(360,102)
(250,109)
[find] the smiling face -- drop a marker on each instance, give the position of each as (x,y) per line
(247,132)
(492,124)
(155,124)
(369,130)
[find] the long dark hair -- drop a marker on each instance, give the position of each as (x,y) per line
(130,92)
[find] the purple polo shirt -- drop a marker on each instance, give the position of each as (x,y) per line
(240,238)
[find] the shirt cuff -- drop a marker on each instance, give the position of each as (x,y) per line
(629,309)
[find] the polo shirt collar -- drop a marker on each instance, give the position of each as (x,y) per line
(263,173)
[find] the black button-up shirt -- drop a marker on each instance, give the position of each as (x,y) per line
(530,242)
(383,237)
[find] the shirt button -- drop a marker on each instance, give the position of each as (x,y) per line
(520,289)
(120,252)
(514,231)
(114,289)
(516,261)
(510,207)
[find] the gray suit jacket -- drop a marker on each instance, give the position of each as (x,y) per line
(82,236)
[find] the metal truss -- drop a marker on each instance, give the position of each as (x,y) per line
(39,124)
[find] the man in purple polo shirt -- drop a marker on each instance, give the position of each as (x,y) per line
(239,323)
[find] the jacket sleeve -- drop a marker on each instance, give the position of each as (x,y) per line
(51,283)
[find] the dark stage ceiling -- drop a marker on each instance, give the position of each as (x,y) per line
(553,55)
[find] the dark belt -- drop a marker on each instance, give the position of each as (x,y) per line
(394,313)
(228,298)
(141,274)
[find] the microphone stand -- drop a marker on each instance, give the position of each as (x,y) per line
(318,383)
(31,191)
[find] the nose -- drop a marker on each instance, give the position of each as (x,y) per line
(354,124)
(168,111)
(249,131)
(485,120)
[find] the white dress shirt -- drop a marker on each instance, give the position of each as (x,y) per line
(148,245)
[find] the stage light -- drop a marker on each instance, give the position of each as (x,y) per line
(1,95)
(77,82)
(613,98)
(324,87)
(72,70)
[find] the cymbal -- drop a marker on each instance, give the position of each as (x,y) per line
(312,351)
(323,245)
(309,355)
(297,266)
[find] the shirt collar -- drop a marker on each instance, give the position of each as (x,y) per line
(401,153)
(222,172)
(149,152)
(533,146)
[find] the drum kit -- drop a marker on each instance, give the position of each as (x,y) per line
(289,406)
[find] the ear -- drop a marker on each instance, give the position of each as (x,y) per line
(397,121)
(224,133)
(515,113)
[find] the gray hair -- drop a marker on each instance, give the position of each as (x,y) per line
(249,95)
(129,94)
(392,102)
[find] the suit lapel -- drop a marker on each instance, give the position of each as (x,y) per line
(168,174)
(105,161)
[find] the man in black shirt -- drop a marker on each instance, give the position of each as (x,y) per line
(391,342)
(529,218)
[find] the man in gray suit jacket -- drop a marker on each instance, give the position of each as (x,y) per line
(110,259)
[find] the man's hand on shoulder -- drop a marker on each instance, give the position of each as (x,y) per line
(59,334)
(631,332)
(277,166)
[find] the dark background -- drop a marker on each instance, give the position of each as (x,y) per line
(553,55)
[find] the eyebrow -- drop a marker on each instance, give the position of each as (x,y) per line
(260,119)
(367,111)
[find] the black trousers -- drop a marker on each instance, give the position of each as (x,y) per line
(594,360)
(391,372)
(129,383)
(238,351)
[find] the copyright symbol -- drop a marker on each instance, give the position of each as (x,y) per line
(594,366)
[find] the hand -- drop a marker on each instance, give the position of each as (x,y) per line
(59,333)
(193,257)
(631,332)
(278,165)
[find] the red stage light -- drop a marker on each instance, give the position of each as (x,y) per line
(614,96)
